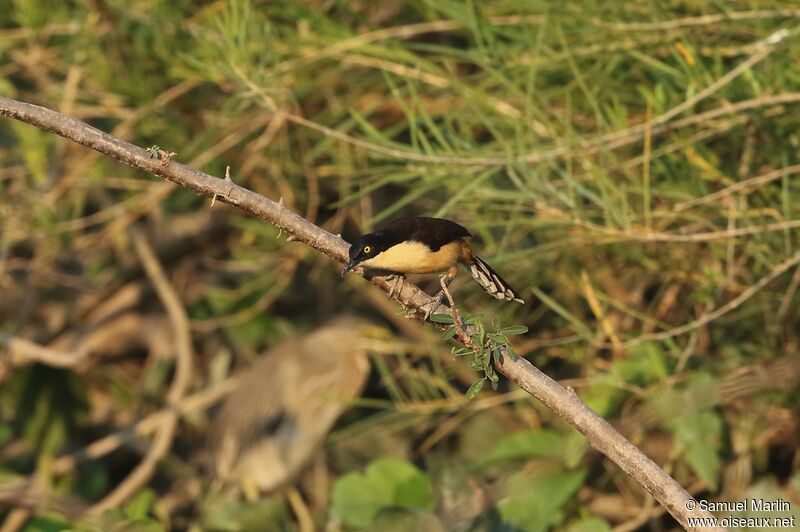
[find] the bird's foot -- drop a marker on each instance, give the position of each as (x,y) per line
(436,300)
(397,282)
(432,304)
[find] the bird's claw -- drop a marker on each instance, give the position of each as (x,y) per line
(432,305)
(397,284)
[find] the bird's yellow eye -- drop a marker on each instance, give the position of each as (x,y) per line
(367,249)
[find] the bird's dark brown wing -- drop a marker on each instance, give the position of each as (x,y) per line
(433,232)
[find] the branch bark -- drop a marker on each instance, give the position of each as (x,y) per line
(600,434)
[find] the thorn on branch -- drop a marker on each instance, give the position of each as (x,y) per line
(227,179)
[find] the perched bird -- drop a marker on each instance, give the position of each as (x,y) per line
(287,402)
(425,245)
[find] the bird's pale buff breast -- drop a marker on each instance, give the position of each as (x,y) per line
(415,257)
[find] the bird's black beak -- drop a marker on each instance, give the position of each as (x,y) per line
(350,265)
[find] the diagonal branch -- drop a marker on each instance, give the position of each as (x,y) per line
(564,402)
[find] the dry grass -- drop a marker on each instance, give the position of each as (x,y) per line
(632,167)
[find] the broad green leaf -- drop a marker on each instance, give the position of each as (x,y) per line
(699,434)
(533,503)
(387,483)
(645,364)
(603,396)
(524,445)
(575,446)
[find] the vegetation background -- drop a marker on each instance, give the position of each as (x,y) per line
(659,262)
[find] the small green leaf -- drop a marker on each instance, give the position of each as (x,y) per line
(449,333)
(472,320)
(511,353)
(497,356)
(515,329)
(475,389)
(442,318)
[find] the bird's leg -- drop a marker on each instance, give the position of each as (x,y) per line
(432,304)
(436,300)
(459,325)
(398,281)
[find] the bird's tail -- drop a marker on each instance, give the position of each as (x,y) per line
(491,281)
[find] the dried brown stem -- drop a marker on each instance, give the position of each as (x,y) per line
(565,403)
(162,442)
(107,444)
(23,351)
(609,141)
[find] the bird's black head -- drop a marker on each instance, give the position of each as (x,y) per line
(367,247)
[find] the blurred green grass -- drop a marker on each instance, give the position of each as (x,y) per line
(521,121)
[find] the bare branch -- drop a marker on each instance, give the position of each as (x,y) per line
(184,355)
(22,351)
(145,426)
(565,403)
(184,361)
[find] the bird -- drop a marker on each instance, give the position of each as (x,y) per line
(276,419)
(423,245)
